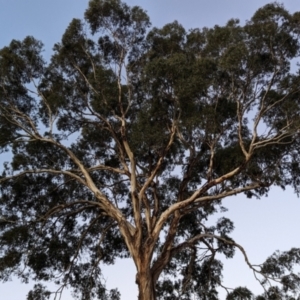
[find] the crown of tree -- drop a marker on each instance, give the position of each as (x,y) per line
(126,142)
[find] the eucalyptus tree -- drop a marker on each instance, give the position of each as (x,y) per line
(126,142)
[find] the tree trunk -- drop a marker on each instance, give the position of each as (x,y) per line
(146,285)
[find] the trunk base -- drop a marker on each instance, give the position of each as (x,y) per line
(145,286)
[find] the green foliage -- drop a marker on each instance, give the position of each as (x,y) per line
(240,293)
(164,124)
(39,292)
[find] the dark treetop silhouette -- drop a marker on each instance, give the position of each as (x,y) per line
(167,124)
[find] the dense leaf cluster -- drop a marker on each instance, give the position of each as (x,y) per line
(125,143)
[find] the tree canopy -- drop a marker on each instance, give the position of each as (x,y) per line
(126,142)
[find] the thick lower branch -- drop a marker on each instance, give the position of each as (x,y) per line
(166,253)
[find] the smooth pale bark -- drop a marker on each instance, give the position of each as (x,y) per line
(145,284)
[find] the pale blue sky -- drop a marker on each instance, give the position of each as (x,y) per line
(261,226)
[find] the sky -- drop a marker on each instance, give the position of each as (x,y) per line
(262,226)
